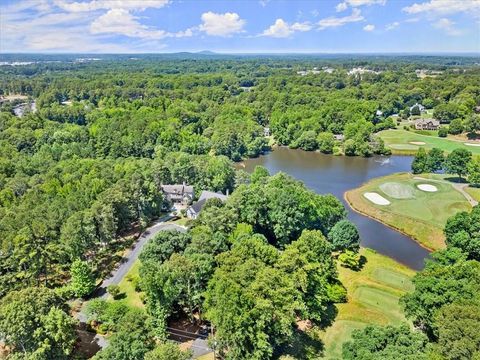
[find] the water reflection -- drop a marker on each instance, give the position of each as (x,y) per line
(337,174)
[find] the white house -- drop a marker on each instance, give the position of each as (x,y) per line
(420,107)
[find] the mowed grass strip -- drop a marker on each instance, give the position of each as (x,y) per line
(373,298)
(399,141)
(422,217)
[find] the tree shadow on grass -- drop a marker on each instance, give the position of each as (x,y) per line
(456,179)
(304,345)
(361,263)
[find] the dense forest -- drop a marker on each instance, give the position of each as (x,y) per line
(80,177)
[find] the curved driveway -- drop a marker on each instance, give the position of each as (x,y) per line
(119,273)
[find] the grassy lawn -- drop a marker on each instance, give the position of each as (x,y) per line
(399,141)
(474,192)
(127,287)
(373,298)
(420,214)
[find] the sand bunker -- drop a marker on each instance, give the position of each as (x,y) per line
(376,198)
(427,187)
(397,190)
(470,144)
(417,143)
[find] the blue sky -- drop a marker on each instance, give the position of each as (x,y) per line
(239,26)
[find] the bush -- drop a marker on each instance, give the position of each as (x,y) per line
(337,293)
(114,291)
(442,132)
(350,259)
(455,127)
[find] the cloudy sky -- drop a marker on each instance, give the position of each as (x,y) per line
(136,26)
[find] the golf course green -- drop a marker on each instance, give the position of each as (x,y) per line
(373,298)
(421,214)
(403,142)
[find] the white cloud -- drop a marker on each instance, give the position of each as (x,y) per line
(281,29)
(305,26)
(357,3)
(41,25)
(315,12)
(448,26)
(444,7)
(121,22)
(264,3)
(341,6)
(221,24)
(369,27)
(93,5)
(333,21)
(392,26)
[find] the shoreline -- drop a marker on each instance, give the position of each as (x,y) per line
(345,197)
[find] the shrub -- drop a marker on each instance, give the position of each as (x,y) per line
(114,291)
(350,259)
(442,132)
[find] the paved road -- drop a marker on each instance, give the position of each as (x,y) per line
(119,273)
(127,262)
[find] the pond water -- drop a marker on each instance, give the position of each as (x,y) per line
(336,174)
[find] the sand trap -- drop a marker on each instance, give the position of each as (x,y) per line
(397,190)
(427,187)
(470,144)
(376,198)
(417,143)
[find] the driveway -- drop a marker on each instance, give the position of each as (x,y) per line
(119,273)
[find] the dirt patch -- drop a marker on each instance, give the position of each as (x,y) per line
(470,144)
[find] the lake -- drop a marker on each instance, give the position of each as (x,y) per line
(326,174)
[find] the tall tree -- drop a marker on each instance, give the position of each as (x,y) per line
(457,161)
(35,323)
(82,281)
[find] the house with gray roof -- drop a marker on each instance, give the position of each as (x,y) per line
(178,194)
(194,210)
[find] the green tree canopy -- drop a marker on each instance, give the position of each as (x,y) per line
(387,342)
(344,235)
(35,322)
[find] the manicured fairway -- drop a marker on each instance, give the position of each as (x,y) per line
(422,214)
(400,142)
(373,298)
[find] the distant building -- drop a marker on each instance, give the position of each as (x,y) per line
(420,107)
(361,71)
(194,210)
(178,194)
(266,131)
(427,124)
(379,113)
(339,137)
